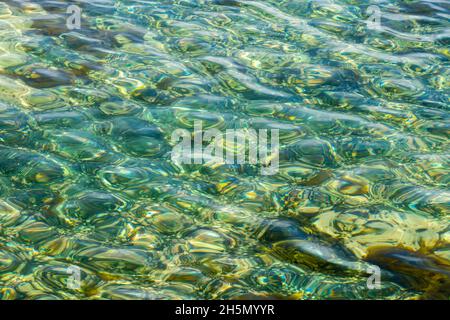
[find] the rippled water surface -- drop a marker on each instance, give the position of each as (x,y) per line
(359,91)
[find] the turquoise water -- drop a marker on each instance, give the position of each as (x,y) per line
(93,207)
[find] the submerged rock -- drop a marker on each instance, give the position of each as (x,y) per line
(290,243)
(47,78)
(314,152)
(93,202)
(427,273)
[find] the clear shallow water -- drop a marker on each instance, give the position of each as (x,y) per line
(86,175)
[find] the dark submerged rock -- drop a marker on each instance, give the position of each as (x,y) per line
(424,272)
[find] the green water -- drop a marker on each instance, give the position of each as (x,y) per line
(87,180)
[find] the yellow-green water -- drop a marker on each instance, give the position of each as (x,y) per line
(87,181)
